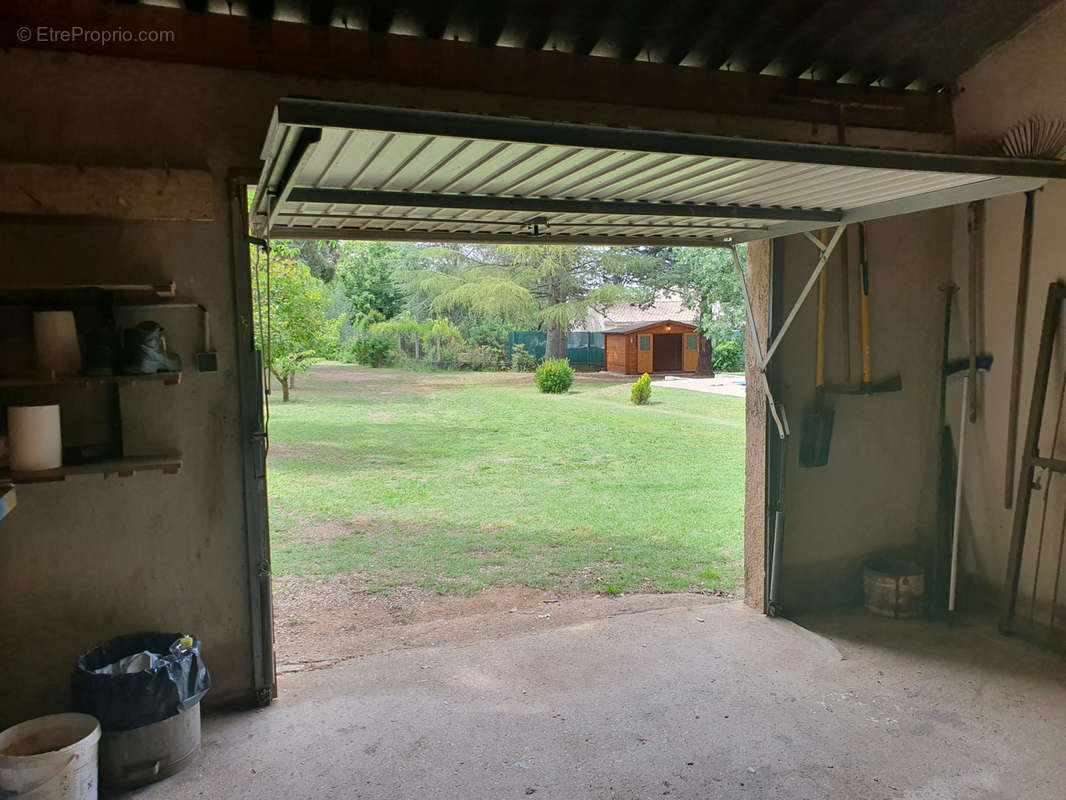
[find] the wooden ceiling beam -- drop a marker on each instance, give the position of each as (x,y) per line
(229,42)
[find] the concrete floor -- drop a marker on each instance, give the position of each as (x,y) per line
(701,701)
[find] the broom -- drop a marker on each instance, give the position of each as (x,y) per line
(1036,137)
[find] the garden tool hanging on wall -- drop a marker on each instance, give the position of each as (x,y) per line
(818,422)
(868,386)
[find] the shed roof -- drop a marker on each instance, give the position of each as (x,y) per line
(666,305)
(639,326)
(343,170)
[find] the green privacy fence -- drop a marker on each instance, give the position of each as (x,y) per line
(583,348)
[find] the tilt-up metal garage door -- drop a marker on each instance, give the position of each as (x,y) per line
(347,171)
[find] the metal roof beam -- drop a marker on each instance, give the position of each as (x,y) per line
(371,197)
(472,126)
(285,232)
(554,224)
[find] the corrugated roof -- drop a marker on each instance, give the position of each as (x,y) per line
(338,170)
(895,43)
(639,326)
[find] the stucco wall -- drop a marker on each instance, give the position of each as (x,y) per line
(1022,77)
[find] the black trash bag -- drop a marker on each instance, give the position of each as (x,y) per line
(173,685)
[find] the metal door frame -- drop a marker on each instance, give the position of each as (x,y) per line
(253,449)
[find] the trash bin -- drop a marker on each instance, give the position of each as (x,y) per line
(145,689)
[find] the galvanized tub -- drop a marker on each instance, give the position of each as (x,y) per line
(894,587)
(149,753)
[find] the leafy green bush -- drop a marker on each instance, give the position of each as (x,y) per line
(728,356)
(522,360)
(491,333)
(555,376)
(370,351)
(641,391)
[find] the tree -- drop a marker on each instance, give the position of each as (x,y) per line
(290,317)
(550,285)
(321,256)
(366,272)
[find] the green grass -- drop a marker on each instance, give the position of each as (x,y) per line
(459,481)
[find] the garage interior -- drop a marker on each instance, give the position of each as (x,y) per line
(732,123)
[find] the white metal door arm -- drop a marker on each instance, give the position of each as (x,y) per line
(764,359)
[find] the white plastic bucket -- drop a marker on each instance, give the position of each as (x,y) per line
(50,758)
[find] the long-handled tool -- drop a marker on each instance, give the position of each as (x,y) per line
(1019,342)
(773,605)
(945,475)
(966,365)
(893,383)
(845,309)
(975,227)
(818,423)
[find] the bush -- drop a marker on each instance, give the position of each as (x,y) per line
(487,357)
(555,376)
(641,391)
(492,333)
(522,360)
(370,351)
(728,356)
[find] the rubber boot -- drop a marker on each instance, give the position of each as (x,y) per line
(144,351)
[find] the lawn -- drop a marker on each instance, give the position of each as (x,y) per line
(454,482)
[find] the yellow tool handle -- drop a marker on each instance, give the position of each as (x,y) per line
(823,288)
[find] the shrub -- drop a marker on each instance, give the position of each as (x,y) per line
(488,357)
(522,360)
(370,351)
(641,391)
(492,333)
(555,376)
(728,356)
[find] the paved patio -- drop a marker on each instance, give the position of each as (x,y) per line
(692,701)
(720,384)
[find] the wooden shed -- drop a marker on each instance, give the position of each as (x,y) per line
(664,346)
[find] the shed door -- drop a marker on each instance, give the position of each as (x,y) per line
(690,355)
(644,353)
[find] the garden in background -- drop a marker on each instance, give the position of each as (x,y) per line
(453,307)
(416,461)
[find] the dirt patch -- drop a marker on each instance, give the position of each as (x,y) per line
(321,622)
(320,532)
(366,525)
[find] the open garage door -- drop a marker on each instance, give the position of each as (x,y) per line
(341,170)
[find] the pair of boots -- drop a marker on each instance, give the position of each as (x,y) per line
(143,352)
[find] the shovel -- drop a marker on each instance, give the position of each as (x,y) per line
(818,422)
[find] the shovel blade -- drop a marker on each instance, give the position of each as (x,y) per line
(815,438)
